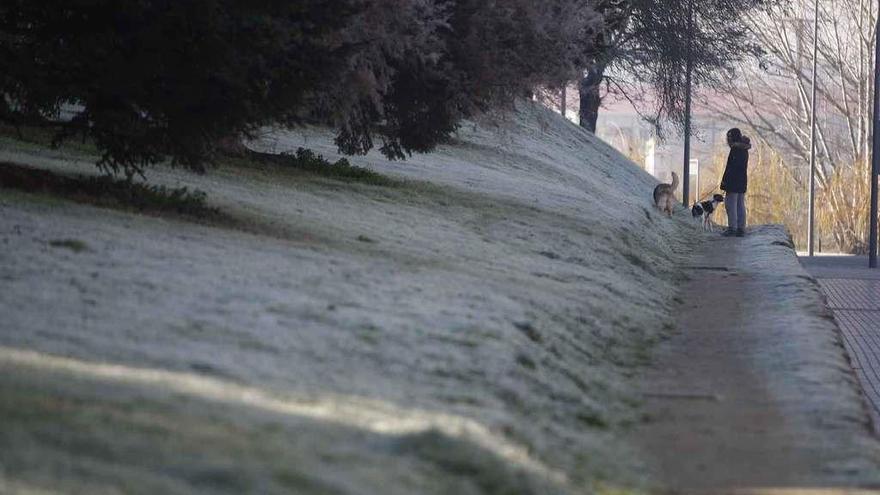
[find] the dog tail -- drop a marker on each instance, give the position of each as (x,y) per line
(674,181)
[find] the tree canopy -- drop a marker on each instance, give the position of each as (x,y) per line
(161,77)
(157,79)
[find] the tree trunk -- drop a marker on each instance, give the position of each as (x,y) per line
(563,99)
(591,98)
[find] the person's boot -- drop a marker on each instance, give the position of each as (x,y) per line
(729,233)
(740,232)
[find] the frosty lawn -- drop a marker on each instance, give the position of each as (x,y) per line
(477,324)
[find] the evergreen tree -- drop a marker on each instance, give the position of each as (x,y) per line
(426,65)
(169,78)
(156,78)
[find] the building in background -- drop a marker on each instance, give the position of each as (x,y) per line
(621,126)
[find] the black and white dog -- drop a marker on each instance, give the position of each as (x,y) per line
(704,210)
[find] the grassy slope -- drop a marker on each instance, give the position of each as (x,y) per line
(471,325)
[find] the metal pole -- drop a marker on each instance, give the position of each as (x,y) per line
(686,173)
(875,152)
(811,233)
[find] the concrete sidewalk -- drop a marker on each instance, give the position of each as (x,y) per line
(754,392)
(853,293)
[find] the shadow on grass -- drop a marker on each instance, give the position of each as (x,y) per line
(109,192)
(144,199)
(37,138)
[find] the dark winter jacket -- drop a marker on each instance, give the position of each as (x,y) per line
(735,178)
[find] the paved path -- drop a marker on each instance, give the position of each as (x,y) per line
(753,393)
(853,292)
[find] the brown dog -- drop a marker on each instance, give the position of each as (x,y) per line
(664,195)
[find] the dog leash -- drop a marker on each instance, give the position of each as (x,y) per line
(705,197)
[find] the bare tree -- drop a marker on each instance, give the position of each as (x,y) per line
(643,50)
(770,96)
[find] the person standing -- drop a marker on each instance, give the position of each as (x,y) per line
(734,183)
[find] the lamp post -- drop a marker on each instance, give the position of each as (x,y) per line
(875,156)
(811,223)
(686,173)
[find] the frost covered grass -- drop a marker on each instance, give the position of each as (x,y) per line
(500,294)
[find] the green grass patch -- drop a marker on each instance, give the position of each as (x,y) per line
(41,138)
(75,245)
(526,362)
(108,192)
(592,419)
(308,162)
(638,261)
